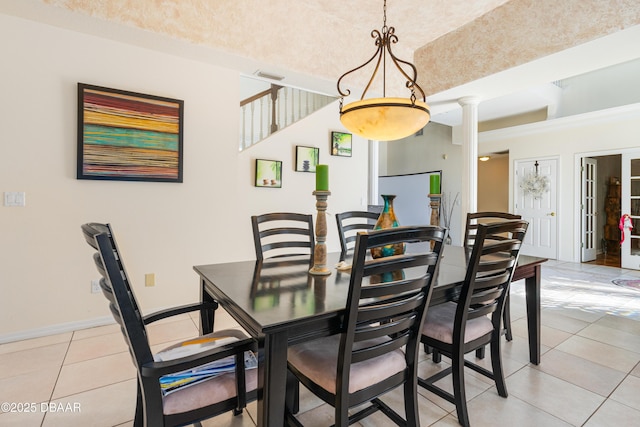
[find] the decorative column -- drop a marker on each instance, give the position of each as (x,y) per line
(469,193)
(320,250)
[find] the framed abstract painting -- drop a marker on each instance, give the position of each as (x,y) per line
(128,136)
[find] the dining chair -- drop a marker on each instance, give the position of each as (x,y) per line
(349,223)
(157,405)
(473,320)
(376,349)
(473,219)
(283,233)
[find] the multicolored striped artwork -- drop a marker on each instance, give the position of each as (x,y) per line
(128,136)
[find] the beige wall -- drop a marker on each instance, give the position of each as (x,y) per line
(493,184)
(162,228)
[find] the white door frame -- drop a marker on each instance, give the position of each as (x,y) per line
(577,193)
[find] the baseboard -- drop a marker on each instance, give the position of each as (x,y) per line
(56,329)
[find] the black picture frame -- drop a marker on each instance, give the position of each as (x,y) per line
(268,173)
(341,144)
(307,158)
(129,136)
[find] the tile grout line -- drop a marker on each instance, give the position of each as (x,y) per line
(53,389)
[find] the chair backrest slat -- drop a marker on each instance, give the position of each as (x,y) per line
(280,234)
(349,224)
(385,309)
(366,353)
(398,286)
(476,218)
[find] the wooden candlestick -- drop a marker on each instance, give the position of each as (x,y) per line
(435,208)
(435,211)
(320,251)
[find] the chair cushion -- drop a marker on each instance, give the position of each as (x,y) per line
(206,393)
(438,324)
(318,360)
(215,389)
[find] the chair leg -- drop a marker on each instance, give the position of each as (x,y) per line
(496,367)
(427,349)
(138,419)
(459,394)
(436,357)
(506,318)
(341,416)
(481,352)
(411,402)
(292,394)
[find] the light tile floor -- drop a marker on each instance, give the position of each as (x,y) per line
(589,374)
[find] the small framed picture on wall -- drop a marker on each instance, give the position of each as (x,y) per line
(341,144)
(307,158)
(268,173)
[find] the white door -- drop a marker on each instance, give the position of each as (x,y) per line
(589,208)
(630,248)
(535,196)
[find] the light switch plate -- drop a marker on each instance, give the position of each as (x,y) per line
(14,198)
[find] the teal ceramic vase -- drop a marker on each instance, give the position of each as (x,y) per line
(387,219)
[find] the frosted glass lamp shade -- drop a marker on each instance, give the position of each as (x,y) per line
(385,119)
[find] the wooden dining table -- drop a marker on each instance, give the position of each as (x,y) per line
(279,303)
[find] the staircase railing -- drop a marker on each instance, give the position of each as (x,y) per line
(274,109)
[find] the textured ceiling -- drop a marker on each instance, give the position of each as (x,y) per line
(487,48)
(320,38)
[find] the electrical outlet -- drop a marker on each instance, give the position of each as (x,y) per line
(150,279)
(95,286)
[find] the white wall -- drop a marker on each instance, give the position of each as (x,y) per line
(568,138)
(605,88)
(430,151)
(162,228)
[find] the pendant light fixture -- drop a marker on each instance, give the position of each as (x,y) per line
(385,119)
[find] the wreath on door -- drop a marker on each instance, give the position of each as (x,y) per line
(534,184)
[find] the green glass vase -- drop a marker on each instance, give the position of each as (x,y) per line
(387,219)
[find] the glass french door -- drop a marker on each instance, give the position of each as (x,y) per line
(589,208)
(630,219)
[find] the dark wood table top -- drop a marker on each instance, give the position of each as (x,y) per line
(278,292)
